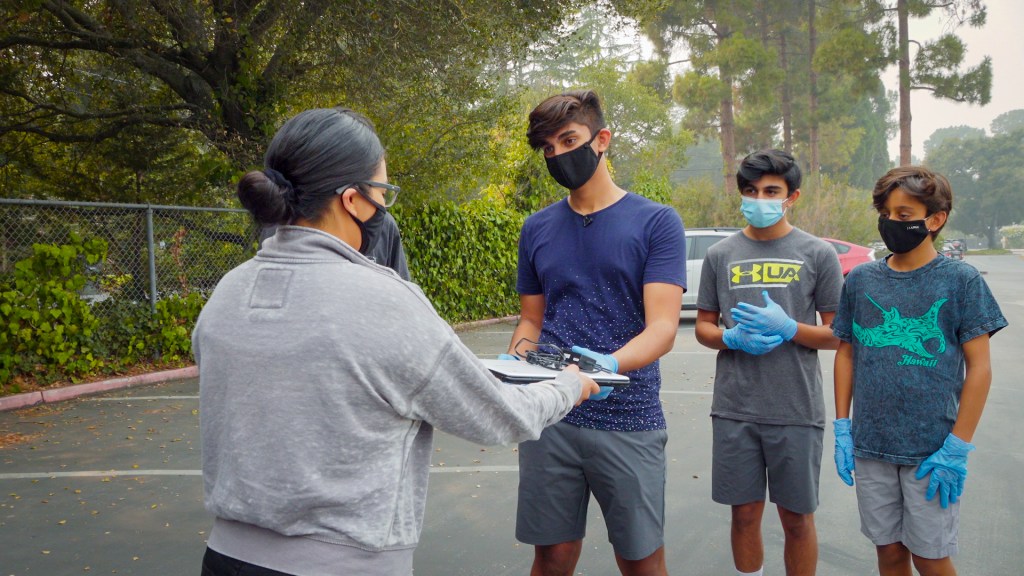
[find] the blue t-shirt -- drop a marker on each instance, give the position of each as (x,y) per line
(592,272)
(907,330)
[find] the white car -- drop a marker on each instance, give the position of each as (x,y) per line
(698,240)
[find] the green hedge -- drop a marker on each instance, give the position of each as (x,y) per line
(50,333)
(464,257)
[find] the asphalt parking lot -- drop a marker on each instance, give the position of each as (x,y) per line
(111,484)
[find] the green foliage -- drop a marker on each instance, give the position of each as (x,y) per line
(1008,122)
(837,210)
(985,174)
(172,326)
(49,331)
(702,204)
(44,324)
(464,257)
(950,133)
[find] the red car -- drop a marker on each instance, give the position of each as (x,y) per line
(851,255)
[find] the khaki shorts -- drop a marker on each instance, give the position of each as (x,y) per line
(625,471)
(893,509)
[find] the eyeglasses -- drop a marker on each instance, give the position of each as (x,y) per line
(388,191)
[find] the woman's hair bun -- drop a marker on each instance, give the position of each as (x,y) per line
(268,196)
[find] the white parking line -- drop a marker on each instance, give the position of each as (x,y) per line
(134,473)
(122,398)
(99,474)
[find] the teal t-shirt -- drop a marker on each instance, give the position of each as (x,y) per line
(907,330)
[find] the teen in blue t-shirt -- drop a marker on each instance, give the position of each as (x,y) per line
(914,361)
(603,272)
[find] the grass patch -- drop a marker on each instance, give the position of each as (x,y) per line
(989,252)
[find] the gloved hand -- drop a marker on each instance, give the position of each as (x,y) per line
(507,357)
(948,467)
(844,450)
(771,320)
(738,338)
(606,361)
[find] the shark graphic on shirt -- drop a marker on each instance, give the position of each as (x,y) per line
(907,333)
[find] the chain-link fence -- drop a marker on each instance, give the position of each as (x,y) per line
(153,251)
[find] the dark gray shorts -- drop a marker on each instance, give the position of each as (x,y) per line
(625,471)
(748,457)
(893,509)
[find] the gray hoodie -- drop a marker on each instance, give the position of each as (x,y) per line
(321,376)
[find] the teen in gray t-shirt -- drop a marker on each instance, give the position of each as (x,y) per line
(802,275)
(767,284)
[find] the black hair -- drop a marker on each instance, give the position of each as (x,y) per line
(311,156)
(769,161)
(582,106)
(929,187)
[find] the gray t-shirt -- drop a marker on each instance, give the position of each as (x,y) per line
(802,275)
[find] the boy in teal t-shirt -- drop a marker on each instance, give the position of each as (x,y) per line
(914,362)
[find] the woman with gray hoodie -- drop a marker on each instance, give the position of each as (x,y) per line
(322,374)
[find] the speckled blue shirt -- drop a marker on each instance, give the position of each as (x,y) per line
(592,278)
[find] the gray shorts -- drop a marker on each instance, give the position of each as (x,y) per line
(893,509)
(625,471)
(748,457)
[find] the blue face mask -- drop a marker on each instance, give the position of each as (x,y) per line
(762,213)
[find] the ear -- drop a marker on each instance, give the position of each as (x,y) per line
(604,139)
(940,219)
(348,200)
(792,198)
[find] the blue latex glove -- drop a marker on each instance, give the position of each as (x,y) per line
(948,467)
(738,338)
(606,361)
(844,450)
(771,320)
(507,357)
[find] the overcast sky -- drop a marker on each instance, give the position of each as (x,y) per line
(1002,38)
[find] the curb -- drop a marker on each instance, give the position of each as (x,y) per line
(480,323)
(68,392)
(27,399)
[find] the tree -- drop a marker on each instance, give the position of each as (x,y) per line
(986,175)
(1008,122)
(725,63)
(938,65)
(949,133)
(226,73)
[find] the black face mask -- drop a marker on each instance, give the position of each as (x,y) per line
(370,228)
(901,237)
(574,168)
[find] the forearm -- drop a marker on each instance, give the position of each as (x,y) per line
(843,379)
(707,330)
(816,337)
(977,381)
(531,320)
(655,341)
(972,402)
(525,328)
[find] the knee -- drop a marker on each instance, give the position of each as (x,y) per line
(933,567)
(891,555)
(557,559)
(796,525)
(747,516)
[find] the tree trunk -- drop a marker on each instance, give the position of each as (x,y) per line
(786,99)
(903,16)
(728,136)
(812,45)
